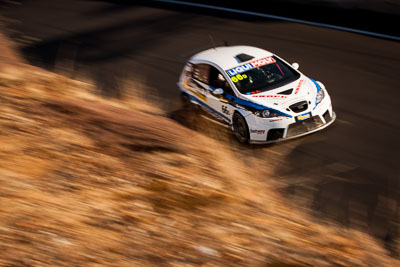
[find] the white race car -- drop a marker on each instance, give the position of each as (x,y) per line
(258,95)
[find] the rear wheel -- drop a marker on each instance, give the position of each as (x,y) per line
(240,128)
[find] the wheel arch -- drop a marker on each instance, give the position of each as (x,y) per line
(238,113)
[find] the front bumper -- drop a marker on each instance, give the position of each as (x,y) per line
(297,135)
(264,131)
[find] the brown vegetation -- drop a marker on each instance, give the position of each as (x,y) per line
(86,181)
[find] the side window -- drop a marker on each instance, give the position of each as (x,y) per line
(201,73)
(218,80)
(188,69)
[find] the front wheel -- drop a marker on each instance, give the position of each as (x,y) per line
(240,128)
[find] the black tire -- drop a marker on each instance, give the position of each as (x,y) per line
(240,128)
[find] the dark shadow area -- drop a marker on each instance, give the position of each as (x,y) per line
(339,14)
(109,52)
(188,10)
(340,186)
(196,120)
(101,51)
(111,42)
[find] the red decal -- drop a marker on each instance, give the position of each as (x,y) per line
(257,131)
(262,62)
(275,120)
(298,87)
(273,96)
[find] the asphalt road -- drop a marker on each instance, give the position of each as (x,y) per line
(348,173)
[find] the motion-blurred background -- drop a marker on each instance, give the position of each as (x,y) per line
(99,166)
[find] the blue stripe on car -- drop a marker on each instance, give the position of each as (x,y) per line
(318,89)
(247,103)
(316,84)
(208,107)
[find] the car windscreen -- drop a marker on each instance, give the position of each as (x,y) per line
(262,75)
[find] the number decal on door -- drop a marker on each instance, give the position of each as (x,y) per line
(225,110)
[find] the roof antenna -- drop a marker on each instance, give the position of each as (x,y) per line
(212,41)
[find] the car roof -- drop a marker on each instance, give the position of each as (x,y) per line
(224,56)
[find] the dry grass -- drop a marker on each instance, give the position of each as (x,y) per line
(87,181)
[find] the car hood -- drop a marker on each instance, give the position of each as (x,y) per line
(285,98)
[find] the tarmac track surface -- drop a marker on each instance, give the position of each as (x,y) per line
(349,171)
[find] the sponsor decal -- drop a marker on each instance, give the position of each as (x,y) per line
(262,62)
(257,131)
(248,66)
(271,96)
(201,96)
(298,86)
(197,94)
(275,120)
(240,69)
(186,85)
(222,99)
(303,117)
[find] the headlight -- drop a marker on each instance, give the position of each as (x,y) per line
(266,113)
(320,95)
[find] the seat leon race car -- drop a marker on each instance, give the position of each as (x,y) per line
(258,95)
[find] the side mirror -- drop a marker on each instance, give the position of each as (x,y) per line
(218,91)
(295,65)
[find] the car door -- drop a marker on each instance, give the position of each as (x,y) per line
(220,102)
(205,79)
(202,90)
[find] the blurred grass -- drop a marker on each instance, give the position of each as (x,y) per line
(91,181)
